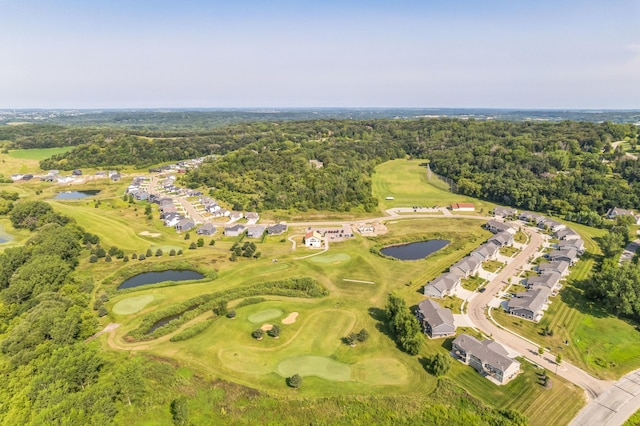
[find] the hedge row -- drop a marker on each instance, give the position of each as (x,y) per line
(251,301)
(193,331)
(292,287)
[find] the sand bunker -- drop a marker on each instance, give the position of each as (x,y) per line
(150,234)
(267,327)
(291,318)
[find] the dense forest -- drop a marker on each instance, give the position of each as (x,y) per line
(568,168)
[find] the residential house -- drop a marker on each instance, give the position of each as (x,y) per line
(497,226)
(551,225)
(277,229)
(436,321)
(463,207)
(313,239)
(172,219)
(444,285)
(234,231)
(505,212)
(468,266)
(568,254)
(530,217)
(252,218)
(256,231)
(615,212)
(487,251)
(567,234)
(561,267)
(141,195)
(234,216)
(550,280)
(206,229)
(488,357)
(502,239)
(529,304)
(115,177)
(576,244)
(77,172)
(185,225)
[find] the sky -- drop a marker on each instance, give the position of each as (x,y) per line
(325,53)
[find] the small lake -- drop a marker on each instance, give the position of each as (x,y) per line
(76,195)
(414,251)
(147,278)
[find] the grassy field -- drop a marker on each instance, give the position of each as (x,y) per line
(406,181)
(312,346)
(39,153)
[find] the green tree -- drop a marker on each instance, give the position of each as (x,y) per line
(159,252)
(107,258)
(187,236)
(179,411)
(274,332)
(149,253)
(200,242)
(212,242)
(221,308)
(93,258)
(192,246)
(172,252)
(363,335)
(440,364)
(258,333)
(294,381)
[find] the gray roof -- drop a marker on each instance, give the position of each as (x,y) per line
(251,215)
(531,300)
(441,285)
(498,226)
(185,224)
(502,238)
(487,250)
(615,211)
(560,266)
(548,280)
(255,230)
(440,319)
(567,233)
(568,253)
(235,228)
(504,211)
(531,216)
(577,244)
(488,351)
(207,227)
(278,228)
(467,265)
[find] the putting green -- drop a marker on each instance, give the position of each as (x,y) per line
(131,305)
(330,258)
(262,316)
(381,371)
(318,366)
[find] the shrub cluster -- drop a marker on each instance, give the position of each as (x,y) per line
(192,331)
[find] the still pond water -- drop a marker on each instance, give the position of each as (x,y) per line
(414,251)
(76,195)
(147,278)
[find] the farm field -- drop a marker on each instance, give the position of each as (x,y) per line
(38,154)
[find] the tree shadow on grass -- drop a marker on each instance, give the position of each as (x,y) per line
(381,317)
(574,297)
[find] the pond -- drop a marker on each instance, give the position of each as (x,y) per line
(414,251)
(4,236)
(147,278)
(76,195)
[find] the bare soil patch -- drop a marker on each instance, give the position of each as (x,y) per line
(150,234)
(291,318)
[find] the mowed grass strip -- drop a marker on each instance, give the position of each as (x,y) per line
(407,182)
(319,366)
(131,305)
(543,407)
(38,154)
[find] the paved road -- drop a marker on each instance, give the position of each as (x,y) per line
(529,350)
(614,406)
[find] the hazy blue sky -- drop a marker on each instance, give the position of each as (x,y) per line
(362,53)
